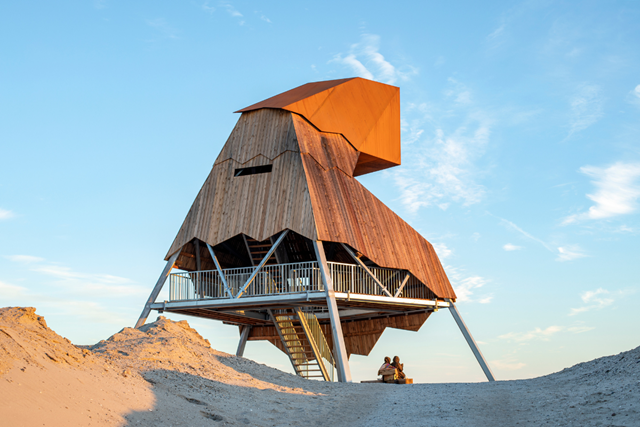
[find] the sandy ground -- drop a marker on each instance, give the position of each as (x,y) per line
(166,374)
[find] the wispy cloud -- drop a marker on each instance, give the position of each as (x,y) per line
(459,92)
(580,329)
(265,19)
(635,95)
(465,286)
(539,334)
(27,259)
(232,11)
(570,252)
(163,28)
(8,290)
(365,60)
(565,252)
(5,214)
(586,108)
(446,162)
(536,334)
(509,247)
(617,191)
(442,250)
(84,283)
(207,7)
(514,227)
(593,300)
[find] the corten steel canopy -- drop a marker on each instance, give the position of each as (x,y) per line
(284,242)
(366,113)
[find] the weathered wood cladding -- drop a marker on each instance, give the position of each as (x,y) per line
(331,150)
(360,336)
(345,211)
(309,191)
(258,206)
(265,132)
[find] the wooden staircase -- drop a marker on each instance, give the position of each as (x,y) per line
(304,344)
(258,250)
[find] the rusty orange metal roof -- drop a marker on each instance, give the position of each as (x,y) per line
(365,112)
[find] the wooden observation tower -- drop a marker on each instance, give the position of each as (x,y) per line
(285,243)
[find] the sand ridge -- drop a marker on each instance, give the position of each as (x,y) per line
(166,374)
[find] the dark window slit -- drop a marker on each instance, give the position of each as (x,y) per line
(253,170)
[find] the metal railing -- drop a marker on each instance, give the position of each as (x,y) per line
(321,342)
(292,279)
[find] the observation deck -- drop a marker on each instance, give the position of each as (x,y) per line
(243,295)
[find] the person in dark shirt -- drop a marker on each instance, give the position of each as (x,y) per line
(399,366)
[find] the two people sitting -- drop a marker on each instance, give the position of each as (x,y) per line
(388,365)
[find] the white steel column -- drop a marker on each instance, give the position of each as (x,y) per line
(244,335)
(339,348)
(156,290)
(472,343)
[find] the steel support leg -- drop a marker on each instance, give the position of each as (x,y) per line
(467,336)
(339,348)
(156,290)
(244,335)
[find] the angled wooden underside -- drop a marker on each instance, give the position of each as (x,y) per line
(360,336)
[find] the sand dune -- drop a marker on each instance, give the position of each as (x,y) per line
(166,374)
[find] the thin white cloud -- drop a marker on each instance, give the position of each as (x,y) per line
(536,334)
(358,67)
(586,108)
(365,60)
(84,283)
(231,10)
(617,191)
(539,334)
(460,94)
(496,33)
(465,286)
(265,19)
(513,226)
(11,291)
(565,252)
(593,300)
(446,167)
(27,259)
(166,30)
(207,8)
(635,95)
(570,252)
(442,250)
(66,273)
(5,214)
(580,329)
(509,247)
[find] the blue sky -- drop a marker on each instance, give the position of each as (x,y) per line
(521,158)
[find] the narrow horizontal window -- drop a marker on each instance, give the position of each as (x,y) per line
(253,170)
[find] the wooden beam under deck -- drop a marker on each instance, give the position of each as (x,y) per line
(251,310)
